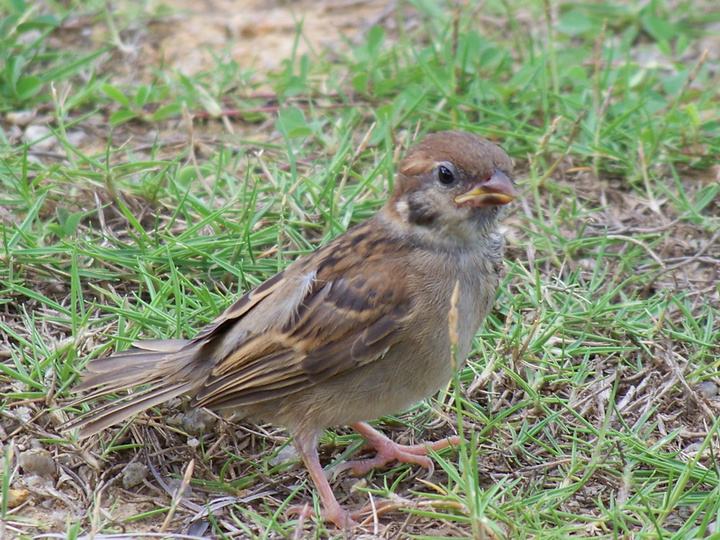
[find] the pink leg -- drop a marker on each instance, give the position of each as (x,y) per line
(332,511)
(388,451)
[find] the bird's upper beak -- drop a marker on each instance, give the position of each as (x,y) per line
(497,190)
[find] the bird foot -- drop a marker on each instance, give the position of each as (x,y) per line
(389,451)
(344,519)
(338,516)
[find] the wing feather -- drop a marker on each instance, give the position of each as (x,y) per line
(349,314)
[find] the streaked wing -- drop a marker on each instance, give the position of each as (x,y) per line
(242,306)
(350,314)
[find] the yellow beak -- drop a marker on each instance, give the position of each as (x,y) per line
(497,190)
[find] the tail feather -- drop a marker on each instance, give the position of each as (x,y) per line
(118,371)
(112,413)
(167,367)
(161,345)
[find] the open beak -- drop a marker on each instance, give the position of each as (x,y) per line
(496,191)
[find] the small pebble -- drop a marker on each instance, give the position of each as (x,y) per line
(37,461)
(692,447)
(22,414)
(692,450)
(16,497)
(198,421)
(707,389)
(38,485)
(134,474)
(77,137)
(13,134)
(34,132)
(29,37)
(175,483)
(175,420)
(287,454)
(20,118)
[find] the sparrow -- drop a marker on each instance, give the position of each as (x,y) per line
(353,331)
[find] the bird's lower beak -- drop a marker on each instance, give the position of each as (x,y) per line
(498,190)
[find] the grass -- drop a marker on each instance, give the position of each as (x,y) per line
(589,403)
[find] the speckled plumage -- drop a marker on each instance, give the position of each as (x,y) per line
(356,329)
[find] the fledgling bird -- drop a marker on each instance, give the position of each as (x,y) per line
(355,330)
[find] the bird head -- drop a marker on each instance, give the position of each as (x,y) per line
(452,181)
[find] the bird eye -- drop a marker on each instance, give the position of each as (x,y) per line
(445,175)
